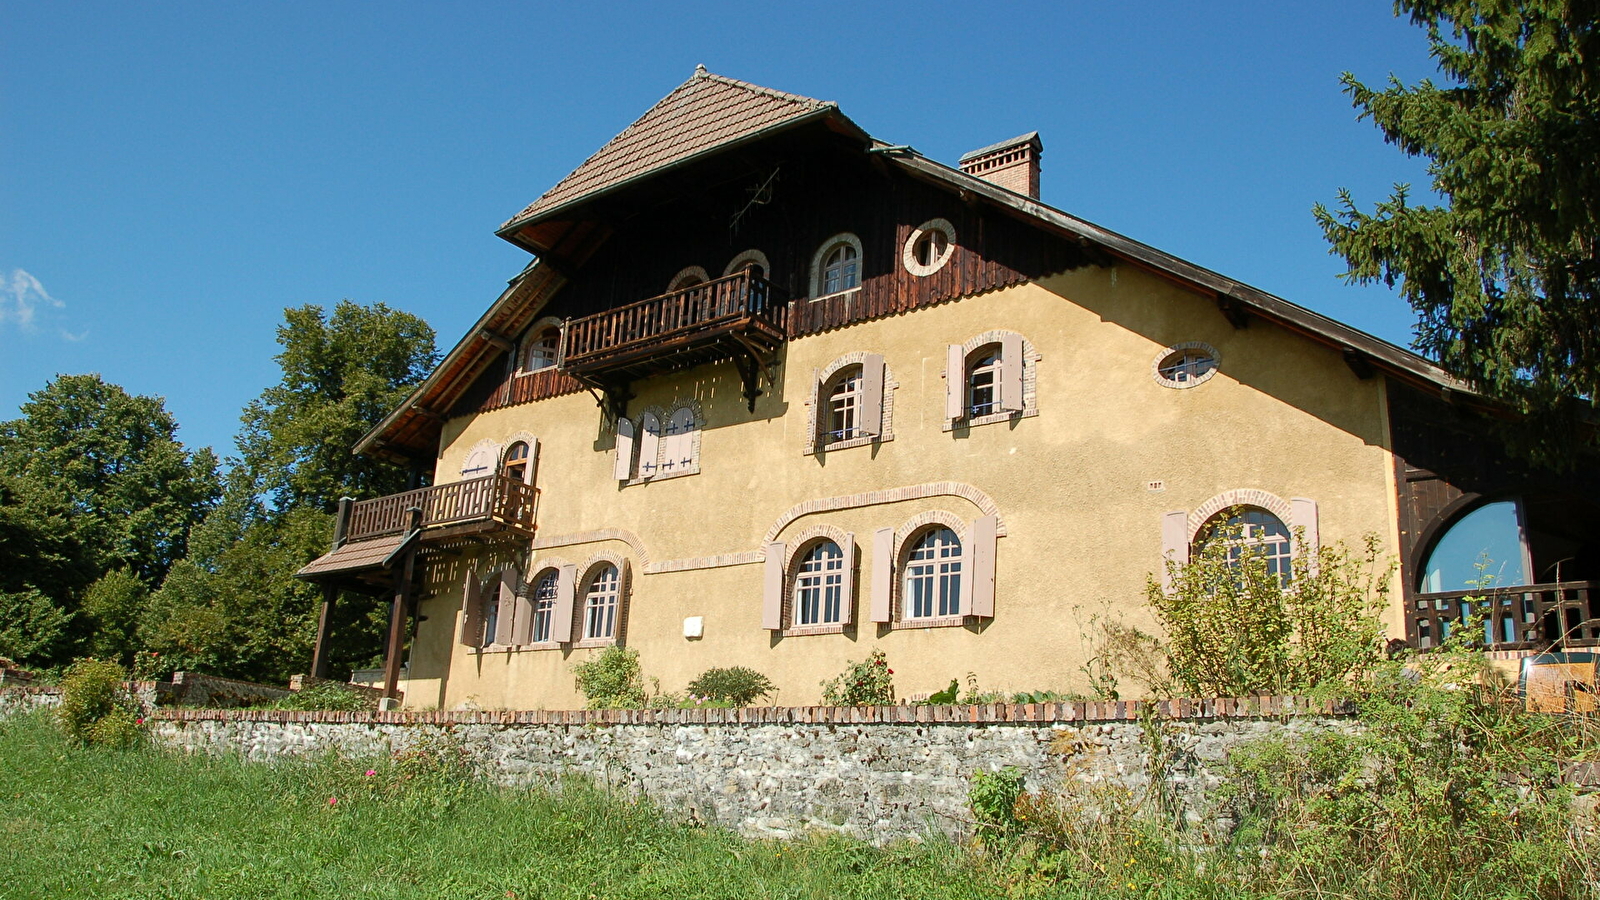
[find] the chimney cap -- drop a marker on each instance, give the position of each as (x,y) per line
(1031,137)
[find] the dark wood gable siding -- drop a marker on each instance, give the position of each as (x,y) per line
(814,197)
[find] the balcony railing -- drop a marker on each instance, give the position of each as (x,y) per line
(494,501)
(741,305)
(1521,617)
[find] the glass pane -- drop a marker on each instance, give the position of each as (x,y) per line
(1489,533)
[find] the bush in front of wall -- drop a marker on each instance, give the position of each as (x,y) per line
(735,685)
(325,695)
(96,707)
(612,679)
(866,683)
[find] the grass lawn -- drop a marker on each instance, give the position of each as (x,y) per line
(85,822)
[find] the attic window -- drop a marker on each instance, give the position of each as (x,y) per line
(540,351)
(1186,365)
(837,266)
(688,277)
(929,247)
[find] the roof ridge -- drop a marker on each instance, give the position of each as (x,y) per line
(812,102)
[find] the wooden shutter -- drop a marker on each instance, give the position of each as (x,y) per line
(847,597)
(870,415)
(472,614)
(504,631)
(1174,543)
(955,381)
(1010,376)
(679,444)
(622,465)
(882,573)
(820,411)
(561,617)
(978,571)
(649,443)
(624,601)
(533,461)
(1303,518)
(772,590)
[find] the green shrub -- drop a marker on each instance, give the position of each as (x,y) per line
(96,707)
(993,798)
(612,679)
(866,683)
(1234,627)
(325,695)
(736,685)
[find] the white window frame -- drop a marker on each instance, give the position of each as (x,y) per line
(944,571)
(820,581)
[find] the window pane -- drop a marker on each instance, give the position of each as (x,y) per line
(933,576)
(544,604)
(1490,534)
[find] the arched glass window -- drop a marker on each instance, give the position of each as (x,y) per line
(544,605)
(1489,536)
(600,604)
(819,586)
(844,406)
(983,373)
(933,576)
(516,462)
(539,351)
(1252,530)
(840,269)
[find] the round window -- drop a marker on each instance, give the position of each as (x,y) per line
(929,247)
(1186,365)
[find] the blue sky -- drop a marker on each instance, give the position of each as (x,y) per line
(173,176)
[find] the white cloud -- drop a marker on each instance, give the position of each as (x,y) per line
(21,297)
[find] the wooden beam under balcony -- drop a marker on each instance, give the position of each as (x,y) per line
(739,317)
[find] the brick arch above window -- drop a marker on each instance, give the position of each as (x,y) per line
(746,258)
(691,274)
(481,460)
(1270,502)
(970,493)
(925,521)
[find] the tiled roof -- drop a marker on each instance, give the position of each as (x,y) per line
(703,113)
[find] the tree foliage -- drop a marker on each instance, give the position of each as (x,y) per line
(1505,275)
(341,375)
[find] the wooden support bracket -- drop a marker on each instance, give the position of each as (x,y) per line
(1236,311)
(497,339)
(1359,363)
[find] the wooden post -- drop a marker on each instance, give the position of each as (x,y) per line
(399,614)
(319,656)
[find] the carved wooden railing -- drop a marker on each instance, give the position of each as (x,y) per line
(1520,617)
(493,498)
(678,317)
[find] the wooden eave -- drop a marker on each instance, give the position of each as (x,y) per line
(1359,347)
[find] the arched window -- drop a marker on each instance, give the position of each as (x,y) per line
(544,604)
(932,587)
(819,586)
(840,269)
(687,278)
(844,412)
(1486,543)
(539,350)
(515,465)
(983,377)
(1250,530)
(600,604)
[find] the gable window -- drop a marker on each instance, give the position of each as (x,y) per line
(819,586)
(1254,532)
(539,350)
(600,604)
(989,379)
(1186,365)
(545,591)
(932,586)
(837,266)
(515,466)
(929,247)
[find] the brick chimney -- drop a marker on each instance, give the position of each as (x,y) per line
(1012,164)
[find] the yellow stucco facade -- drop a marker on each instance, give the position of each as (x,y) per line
(1080,485)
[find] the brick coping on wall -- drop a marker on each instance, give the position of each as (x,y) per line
(983,714)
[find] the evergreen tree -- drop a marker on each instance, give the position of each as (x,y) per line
(1505,275)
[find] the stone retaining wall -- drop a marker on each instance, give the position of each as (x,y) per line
(876,773)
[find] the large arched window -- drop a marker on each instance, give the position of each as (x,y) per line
(1252,531)
(600,602)
(932,587)
(819,586)
(1483,548)
(545,590)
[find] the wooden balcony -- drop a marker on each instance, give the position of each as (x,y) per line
(739,317)
(478,505)
(1524,617)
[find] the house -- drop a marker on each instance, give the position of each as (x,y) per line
(773,393)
